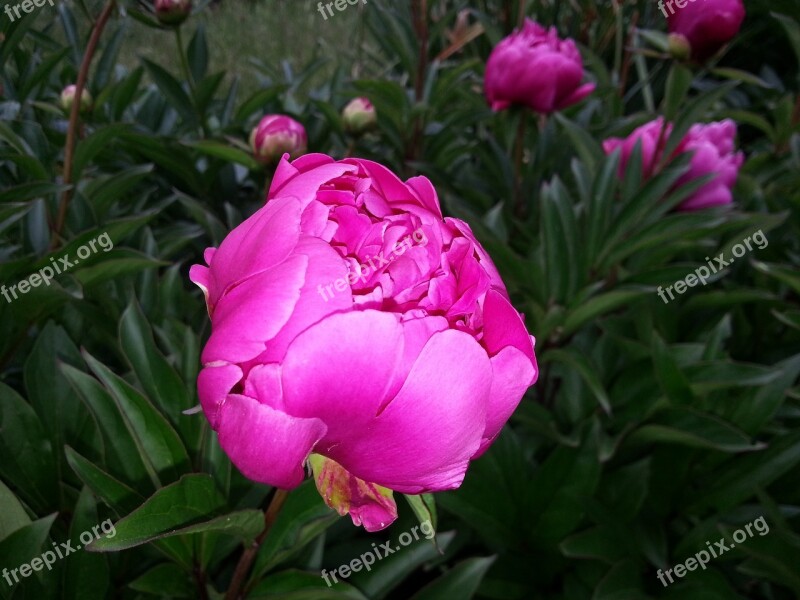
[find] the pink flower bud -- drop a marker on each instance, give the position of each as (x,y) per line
(359,115)
(533,67)
(68,97)
(172,12)
(707,25)
(276,135)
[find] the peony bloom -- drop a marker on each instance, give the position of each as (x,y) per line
(275,135)
(359,115)
(68,97)
(707,25)
(535,68)
(355,329)
(172,12)
(713,151)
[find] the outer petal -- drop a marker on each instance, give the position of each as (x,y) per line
(267,445)
(339,370)
(214,384)
(512,374)
(503,327)
(425,437)
(260,243)
(251,314)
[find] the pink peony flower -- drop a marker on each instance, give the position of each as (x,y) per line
(707,25)
(172,12)
(351,321)
(276,135)
(535,68)
(713,150)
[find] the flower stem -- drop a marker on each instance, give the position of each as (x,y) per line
(249,555)
(72,130)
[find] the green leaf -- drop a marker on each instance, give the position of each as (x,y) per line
(13,516)
(164,580)
(118,496)
(424,507)
(392,570)
(227,153)
(197,53)
(189,505)
(560,483)
(600,305)
(691,428)
(26,454)
(462,581)
(299,585)
(31,190)
(122,455)
(24,544)
(679,81)
(157,377)
(87,575)
(156,441)
(588,373)
(100,141)
(63,414)
(172,90)
(672,380)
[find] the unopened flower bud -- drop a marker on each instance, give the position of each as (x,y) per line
(359,116)
(173,12)
(276,135)
(68,97)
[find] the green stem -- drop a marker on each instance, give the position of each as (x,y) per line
(249,555)
(72,129)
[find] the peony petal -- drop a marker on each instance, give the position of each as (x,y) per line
(214,384)
(503,326)
(512,374)
(244,252)
(423,441)
(265,444)
(339,370)
(254,312)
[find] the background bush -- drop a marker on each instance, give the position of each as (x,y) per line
(653,428)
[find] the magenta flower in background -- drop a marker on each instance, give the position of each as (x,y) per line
(356,329)
(276,135)
(707,25)
(713,148)
(533,67)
